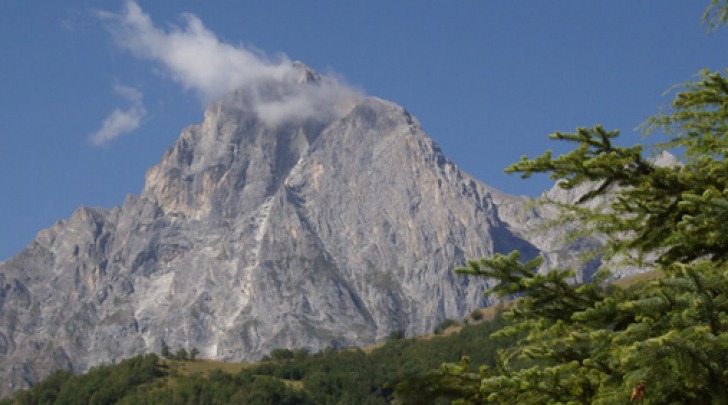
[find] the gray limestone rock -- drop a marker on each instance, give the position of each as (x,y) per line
(318,231)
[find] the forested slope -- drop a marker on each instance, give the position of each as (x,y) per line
(347,376)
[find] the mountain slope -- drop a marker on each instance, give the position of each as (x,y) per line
(326,230)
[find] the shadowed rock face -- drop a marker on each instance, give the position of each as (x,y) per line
(248,237)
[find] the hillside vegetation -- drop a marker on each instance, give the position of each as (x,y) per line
(352,376)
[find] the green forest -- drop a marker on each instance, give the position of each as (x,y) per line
(344,376)
(662,339)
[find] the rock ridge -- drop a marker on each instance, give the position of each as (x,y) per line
(323,230)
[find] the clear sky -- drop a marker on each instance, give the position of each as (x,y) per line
(86,107)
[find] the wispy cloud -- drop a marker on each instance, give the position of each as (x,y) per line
(195,58)
(120,122)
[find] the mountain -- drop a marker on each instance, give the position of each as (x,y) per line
(332,228)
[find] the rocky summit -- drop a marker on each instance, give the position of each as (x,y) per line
(309,231)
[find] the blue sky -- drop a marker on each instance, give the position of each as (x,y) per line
(83,114)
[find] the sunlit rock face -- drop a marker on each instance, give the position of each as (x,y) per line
(313,231)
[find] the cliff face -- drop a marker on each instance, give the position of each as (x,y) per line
(324,230)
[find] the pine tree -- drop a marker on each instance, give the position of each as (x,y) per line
(593,343)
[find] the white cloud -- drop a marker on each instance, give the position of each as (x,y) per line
(131,94)
(195,58)
(120,122)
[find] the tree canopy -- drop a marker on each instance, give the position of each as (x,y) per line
(595,342)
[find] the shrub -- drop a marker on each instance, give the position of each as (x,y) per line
(444,325)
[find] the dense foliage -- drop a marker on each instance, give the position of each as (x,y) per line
(595,343)
(103,385)
(286,377)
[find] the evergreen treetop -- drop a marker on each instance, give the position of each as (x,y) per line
(594,343)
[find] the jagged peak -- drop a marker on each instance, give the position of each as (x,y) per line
(305,73)
(290,200)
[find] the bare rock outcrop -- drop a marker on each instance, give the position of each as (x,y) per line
(322,231)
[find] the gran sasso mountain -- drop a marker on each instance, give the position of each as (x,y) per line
(327,229)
